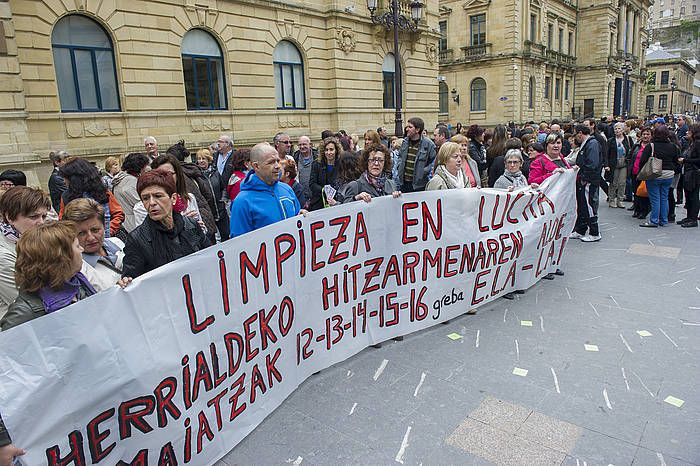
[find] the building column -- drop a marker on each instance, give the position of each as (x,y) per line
(622,17)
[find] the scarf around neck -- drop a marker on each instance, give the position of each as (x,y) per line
(377,182)
(58,299)
(9,232)
(452,181)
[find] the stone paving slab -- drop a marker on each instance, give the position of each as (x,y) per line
(574,407)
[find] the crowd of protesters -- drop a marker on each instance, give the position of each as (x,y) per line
(98,228)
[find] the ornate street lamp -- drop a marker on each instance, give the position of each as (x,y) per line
(626,68)
(391,19)
(674,86)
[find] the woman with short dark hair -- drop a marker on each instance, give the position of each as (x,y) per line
(165,235)
(21,209)
(241,167)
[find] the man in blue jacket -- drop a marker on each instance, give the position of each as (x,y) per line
(263,200)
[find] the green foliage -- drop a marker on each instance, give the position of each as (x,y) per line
(692,27)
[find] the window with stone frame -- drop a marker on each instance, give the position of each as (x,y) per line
(443,97)
(649,106)
(664,78)
(84,63)
(289,76)
(547,87)
(203,71)
(478,95)
(533,28)
(442,43)
(388,73)
(531,93)
(477,29)
(663,101)
(566,90)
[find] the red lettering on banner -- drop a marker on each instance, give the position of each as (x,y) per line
(216,403)
(216,373)
(256,270)
(266,332)
(482,227)
(203,430)
(256,381)
(249,334)
(95,437)
(191,312)
(201,374)
(361,234)
(272,372)
(315,245)
(478,284)
(234,360)
(76,456)
(408,222)
(237,389)
(141,459)
(428,221)
(164,402)
(127,419)
(167,456)
(282,256)
(410,261)
(224,282)
(334,256)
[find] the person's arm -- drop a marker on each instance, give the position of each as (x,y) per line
(315,179)
(351,190)
(134,260)
(60,210)
(537,171)
(7,450)
(116,214)
(241,220)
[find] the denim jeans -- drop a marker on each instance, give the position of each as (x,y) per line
(658,197)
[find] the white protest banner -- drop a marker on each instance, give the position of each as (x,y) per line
(190,358)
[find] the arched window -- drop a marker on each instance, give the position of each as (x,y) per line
(388,71)
(531,93)
(444,95)
(289,76)
(203,69)
(84,62)
(478,94)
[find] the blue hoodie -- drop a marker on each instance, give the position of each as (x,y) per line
(259,204)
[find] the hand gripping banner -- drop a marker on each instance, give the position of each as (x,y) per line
(190,358)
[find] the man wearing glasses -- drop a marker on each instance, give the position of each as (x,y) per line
(283,144)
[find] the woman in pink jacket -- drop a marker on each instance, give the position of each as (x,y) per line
(550,162)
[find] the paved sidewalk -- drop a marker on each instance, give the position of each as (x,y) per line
(594,391)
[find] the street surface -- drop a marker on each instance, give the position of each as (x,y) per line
(587,369)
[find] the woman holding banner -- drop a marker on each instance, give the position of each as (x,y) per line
(47,273)
(448,172)
(513,177)
(550,162)
(469,165)
(165,235)
(375,180)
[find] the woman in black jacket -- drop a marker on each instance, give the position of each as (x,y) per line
(323,172)
(165,235)
(658,188)
(691,177)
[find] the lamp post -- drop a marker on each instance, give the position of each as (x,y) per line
(674,86)
(392,19)
(626,68)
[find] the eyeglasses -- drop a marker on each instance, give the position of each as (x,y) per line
(513,162)
(376,161)
(7,184)
(285,142)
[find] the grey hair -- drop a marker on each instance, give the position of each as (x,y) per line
(227,139)
(513,154)
(150,138)
(621,124)
(278,136)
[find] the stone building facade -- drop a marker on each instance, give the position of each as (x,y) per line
(663,71)
(539,59)
(96,77)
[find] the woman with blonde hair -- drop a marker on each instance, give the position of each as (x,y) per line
(112,167)
(371,137)
(47,273)
(469,165)
(448,171)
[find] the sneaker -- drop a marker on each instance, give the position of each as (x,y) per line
(690,224)
(509,296)
(648,225)
(620,205)
(612,204)
(591,238)
(575,235)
